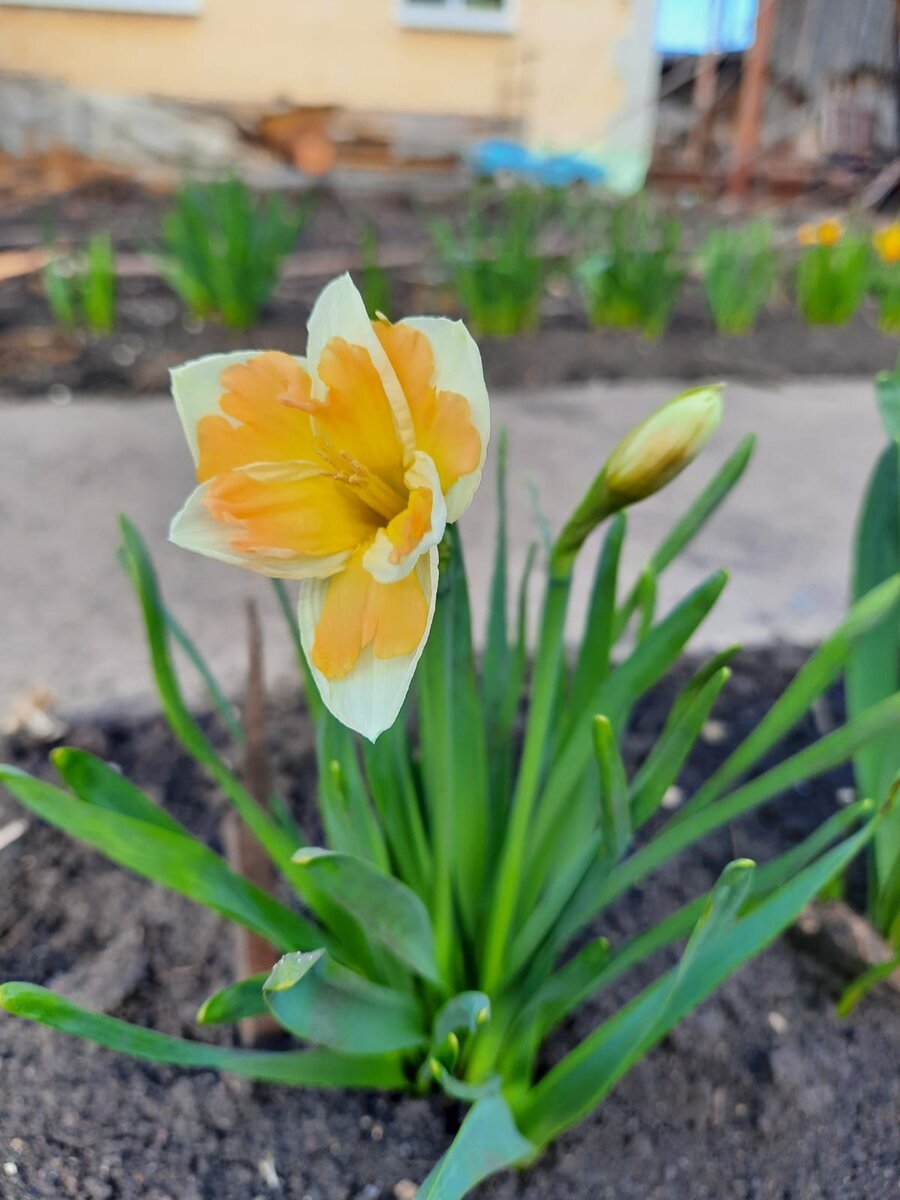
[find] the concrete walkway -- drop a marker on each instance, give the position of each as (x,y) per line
(69,621)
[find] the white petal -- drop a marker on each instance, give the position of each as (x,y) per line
(370,697)
(197,389)
(341,312)
(457,368)
(195,528)
(377,559)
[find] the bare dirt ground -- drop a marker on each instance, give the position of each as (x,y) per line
(762,1093)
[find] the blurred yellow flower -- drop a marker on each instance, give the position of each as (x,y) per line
(887,244)
(825,233)
(340,470)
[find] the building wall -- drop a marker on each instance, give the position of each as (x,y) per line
(577,72)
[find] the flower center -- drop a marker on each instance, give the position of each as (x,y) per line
(374,491)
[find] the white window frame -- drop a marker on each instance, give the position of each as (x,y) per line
(458,16)
(151,8)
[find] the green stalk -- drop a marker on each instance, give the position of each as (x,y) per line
(540,717)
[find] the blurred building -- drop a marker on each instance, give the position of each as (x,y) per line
(401,80)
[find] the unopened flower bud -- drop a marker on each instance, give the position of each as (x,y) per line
(646,459)
(662,446)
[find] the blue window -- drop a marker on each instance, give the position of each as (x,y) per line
(701,26)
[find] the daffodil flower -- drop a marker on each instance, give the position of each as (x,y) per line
(341,470)
(887,244)
(826,233)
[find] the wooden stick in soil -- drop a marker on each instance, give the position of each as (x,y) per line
(252,953)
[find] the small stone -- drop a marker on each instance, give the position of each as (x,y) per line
(365,1121)
(377,1131)
(714,732)
(266,1168)
(10,1169)
(741,1110)
(673,797)
(405,1190)
(16,1144)
(777,1022)
(846,796)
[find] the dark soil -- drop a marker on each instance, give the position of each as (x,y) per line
(762,1093)
(155,334)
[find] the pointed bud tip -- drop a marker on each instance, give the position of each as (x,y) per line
(660,448)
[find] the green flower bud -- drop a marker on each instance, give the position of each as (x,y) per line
(645,460)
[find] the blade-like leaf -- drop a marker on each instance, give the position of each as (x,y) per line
(328,1005)
(488,1141)
(596,643)
(96,782)
(165,856)
(303,1068)
(663,764)
(647,663)
(873,670)
(815,676)
(143,577)
(615,817)
(390,913)
(235,1002)
(822,756)
(581,1080)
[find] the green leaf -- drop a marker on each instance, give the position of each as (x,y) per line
(393,788)
(488,1141)
(861,987)
(96,782)
(663,764)
(321,1002)
(814,677)
(496,649)
(165,856)
(822,756)
(465,1012)
(581,1080)
(390,913)
(873,670)
(592,664)
(455,783)
(646,664)
(615,817)
(235,1002)
(303,1068)
(143,577)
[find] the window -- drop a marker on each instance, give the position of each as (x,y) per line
(178,8)
(472,16)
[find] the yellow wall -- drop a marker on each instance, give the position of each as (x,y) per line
(559,70)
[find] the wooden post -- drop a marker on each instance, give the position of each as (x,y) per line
(704,102)
(750,103)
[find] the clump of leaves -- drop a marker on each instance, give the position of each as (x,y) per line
(456,917)
(833,273)
(222,248)
(81,288)
(739,268)
(494,259)
(631,271)
(885,281)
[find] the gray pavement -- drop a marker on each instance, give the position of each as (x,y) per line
(70,623)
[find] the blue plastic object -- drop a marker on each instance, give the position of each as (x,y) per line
(553,170)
